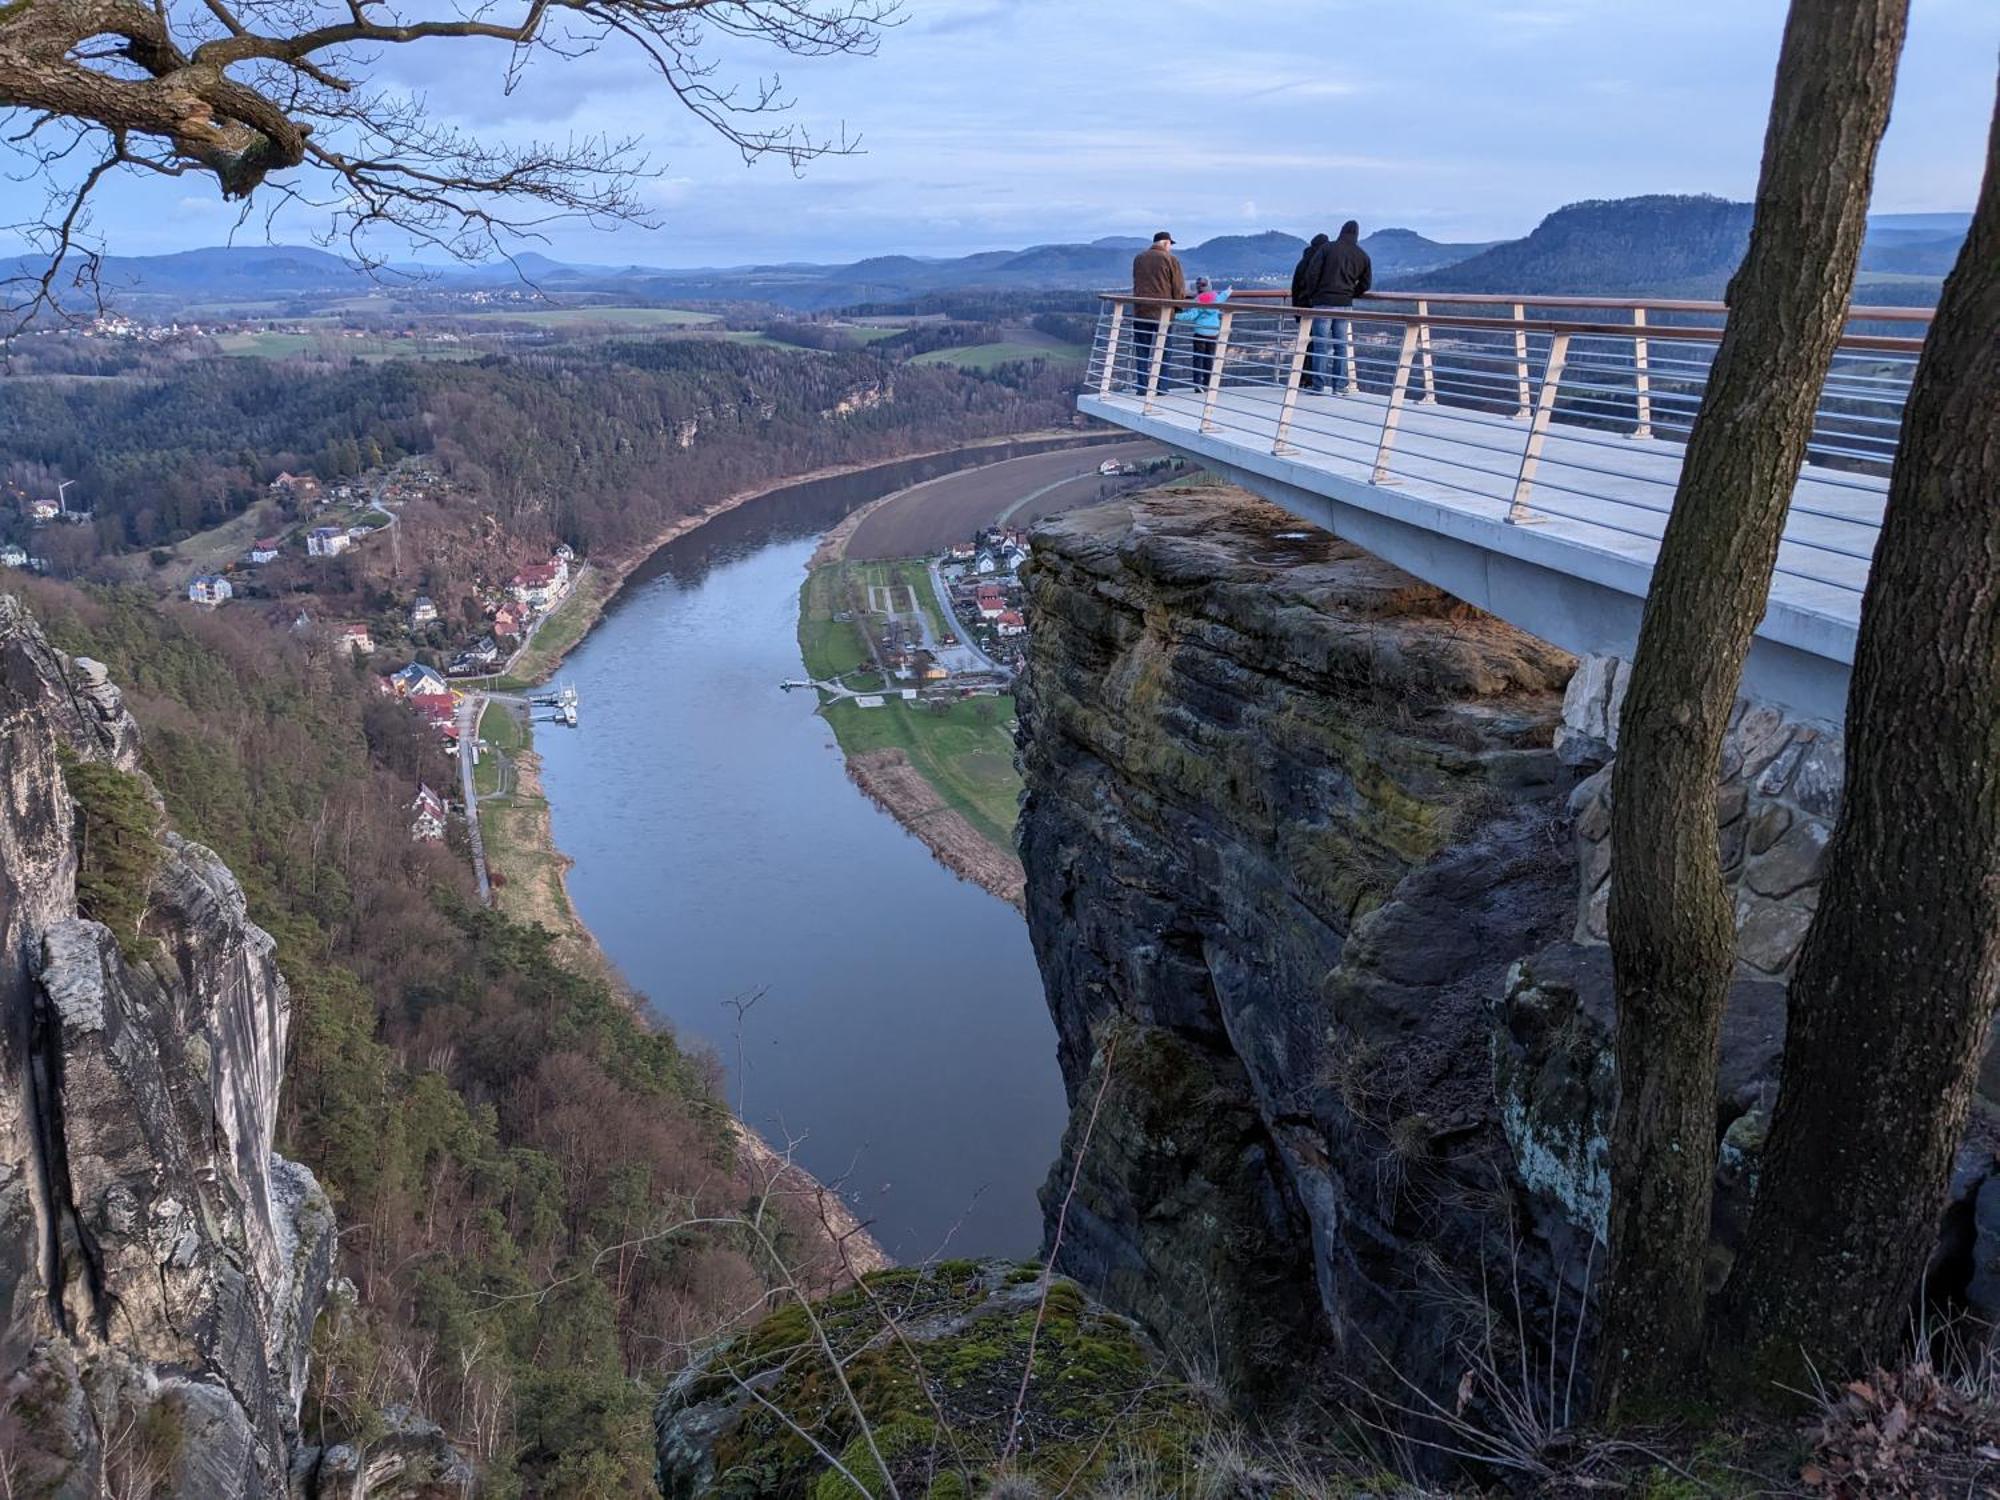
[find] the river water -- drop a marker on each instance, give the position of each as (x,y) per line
(898,1034)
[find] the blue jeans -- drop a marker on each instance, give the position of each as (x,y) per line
(1326,356)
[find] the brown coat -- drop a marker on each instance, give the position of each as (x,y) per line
(1157,273)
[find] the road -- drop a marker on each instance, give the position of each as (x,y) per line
(470,707)
(951,620)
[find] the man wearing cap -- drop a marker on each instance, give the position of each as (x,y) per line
(1156,275)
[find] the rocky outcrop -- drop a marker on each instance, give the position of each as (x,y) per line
(1291,817)
(931,1393)
(1316,864)
(160,1268)
(1777,790)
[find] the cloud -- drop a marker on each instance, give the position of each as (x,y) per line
(1002,122)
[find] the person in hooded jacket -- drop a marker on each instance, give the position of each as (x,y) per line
(1332,273)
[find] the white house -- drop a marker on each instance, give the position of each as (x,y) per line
(417,680)
(423,612)
(13,557)
(1011,622)
(327,541)
(427,816)
(539,585)
(209,590)
(355,638)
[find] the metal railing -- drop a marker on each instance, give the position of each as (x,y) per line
(1579,417)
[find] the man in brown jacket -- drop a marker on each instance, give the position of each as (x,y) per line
(1156,273)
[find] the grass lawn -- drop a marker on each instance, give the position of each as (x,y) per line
(330,345)
(626,317)
(502,729)
(868,333)
(988,356)
(563,629)
(964,750)
(831,647)
(918,577)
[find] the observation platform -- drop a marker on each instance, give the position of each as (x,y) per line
(1526,465)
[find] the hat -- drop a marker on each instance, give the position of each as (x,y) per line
(1163,235)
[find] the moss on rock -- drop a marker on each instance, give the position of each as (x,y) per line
(930,1363)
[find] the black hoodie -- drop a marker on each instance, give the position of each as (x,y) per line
(1333,272)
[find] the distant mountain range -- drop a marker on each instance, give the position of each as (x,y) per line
(1655,245)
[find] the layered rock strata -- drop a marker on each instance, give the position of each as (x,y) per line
(1317,863)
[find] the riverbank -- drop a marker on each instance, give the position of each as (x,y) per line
(611,568)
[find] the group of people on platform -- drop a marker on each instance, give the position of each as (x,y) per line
(1331,273)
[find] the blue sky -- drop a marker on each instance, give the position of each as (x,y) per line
(1003,122)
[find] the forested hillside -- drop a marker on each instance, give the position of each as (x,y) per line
(596,444)
(505,1144)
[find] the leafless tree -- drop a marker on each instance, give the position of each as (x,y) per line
(280,102)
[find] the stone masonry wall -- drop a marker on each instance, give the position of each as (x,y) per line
(1777,790)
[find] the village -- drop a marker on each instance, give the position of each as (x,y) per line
(440,663)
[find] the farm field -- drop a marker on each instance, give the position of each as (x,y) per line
(930,517)
(628,317)
(990,356)
(331,345)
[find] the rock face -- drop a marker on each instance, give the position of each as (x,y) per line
(1291,817)
(1314,855)
(160,1267)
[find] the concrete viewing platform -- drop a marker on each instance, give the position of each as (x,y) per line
(1547,518)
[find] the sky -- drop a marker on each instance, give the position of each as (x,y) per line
(997,123)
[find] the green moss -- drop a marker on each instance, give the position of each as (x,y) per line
(954,1396)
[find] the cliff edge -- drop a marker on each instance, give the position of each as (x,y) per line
(161,1268)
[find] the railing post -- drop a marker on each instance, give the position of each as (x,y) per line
(1160,327)
(1111,350)
(1521,359)
(1393,413)
(1216,358)
(1279,444)
(1642,378)
(1531,453)
(1350,385)
(1430,396)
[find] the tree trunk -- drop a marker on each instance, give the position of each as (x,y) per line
(1672,930)
(1897,984)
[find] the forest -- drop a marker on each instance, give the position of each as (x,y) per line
(597,444)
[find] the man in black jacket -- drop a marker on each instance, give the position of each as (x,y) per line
(1332,273)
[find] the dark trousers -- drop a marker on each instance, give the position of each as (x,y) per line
(1204,359)
(1146,332)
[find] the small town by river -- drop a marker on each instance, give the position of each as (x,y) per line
(868,1006)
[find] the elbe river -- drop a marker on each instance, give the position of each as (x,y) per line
(899,1036)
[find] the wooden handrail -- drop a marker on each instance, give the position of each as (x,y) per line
(1655,332)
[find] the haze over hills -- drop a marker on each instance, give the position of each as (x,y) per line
(1654,245)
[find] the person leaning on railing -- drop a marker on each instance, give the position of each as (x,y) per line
(1203,323)
(1332,273)
(1156,275)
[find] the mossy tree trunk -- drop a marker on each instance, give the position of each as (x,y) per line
(1672,931)
(1898,980)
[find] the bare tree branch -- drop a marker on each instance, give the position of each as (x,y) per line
(271,98)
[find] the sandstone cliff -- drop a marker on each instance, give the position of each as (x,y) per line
(161,1268)
(1319,910)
